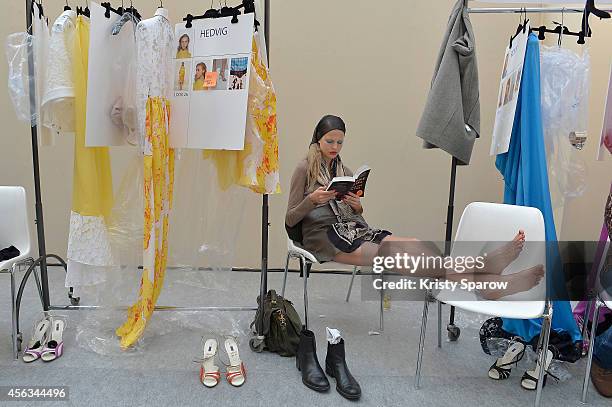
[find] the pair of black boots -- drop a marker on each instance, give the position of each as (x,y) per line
(335,366)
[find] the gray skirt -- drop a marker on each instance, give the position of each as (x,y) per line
(324,237)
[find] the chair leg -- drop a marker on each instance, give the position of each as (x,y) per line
(587,374)
(381,323)
(545,333)
(585,318)
(39,286)
(417,383)
(348,294)
(285,276)
(304,269)
(14,315)
(439,324)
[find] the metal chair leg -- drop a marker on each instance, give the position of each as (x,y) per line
(417,383)
(546,326)
(304,269)
(439,324)
(14,314)
(285,277)
(587,374)
(381,323)
(585,318)
(348,294)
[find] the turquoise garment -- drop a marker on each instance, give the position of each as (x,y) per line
(526,183)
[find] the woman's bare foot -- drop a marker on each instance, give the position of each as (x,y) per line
(521,281)
(498,259)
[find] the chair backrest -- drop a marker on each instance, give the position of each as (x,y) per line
(14,229)
(489,223)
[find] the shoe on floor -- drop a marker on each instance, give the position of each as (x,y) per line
(602,379)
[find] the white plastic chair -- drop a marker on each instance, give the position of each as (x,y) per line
(603,298)
(307,259)
(14,231)
(491,222)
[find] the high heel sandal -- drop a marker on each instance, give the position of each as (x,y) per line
(210,375)
(235,370)
(35,346)
(530,377)
(513,355)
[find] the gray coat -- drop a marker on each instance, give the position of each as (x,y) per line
(451,119)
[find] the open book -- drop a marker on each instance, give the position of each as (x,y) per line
(355,184)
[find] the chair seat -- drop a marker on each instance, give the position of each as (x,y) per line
(6,265)
(293,248)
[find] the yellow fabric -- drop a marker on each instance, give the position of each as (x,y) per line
(183,53)
(158,193)
(251,167)
(92,191)
(182,75)
(198,84)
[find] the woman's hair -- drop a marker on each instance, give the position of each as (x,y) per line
(179,41)
(325,125)
(203,65)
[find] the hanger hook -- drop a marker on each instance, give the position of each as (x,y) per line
(161,4)
(562,26)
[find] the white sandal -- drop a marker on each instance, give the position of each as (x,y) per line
(530,378)
(55,347)
(235,372)
(36,345)
(209,372)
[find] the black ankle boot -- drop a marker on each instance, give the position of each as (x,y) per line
(335,366)
(307,362)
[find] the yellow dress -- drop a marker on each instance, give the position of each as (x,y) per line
(182,54)
(256,166)
(198,84)
(182,75)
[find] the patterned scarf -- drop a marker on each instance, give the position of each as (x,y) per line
(343,211)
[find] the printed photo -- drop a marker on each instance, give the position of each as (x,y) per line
(507,91)
(238,70)
(517,83)
(201,68)
(183,49)
(501,97)
(182,75)
(505,64)
(221,67)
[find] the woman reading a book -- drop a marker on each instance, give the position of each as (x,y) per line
(335,230)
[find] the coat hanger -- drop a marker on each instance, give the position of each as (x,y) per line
(161,11)
(67,6)
(39,6)
(132,10)
(109,8)
(523,20)
(248,5)
(589,8)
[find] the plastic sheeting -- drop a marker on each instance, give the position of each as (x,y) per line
(565,80)
(19,50)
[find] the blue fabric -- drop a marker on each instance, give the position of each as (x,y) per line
(603,349)
(526,183)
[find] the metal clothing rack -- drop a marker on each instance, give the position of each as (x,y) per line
(453,330)
(41,262)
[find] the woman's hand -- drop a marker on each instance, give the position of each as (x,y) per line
(321,196)
(353,201)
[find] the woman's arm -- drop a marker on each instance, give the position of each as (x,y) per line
(298,205)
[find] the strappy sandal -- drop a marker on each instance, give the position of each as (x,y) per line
(36,345)
(210,376)
(514,354)
(55,347)
(235,370)
(530,378)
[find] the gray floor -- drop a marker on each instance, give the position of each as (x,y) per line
(161,371)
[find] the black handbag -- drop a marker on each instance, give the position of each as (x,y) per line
(281,325)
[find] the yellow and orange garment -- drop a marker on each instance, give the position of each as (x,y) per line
(158,192)
(256,166)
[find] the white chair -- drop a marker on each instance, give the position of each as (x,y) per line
(603,298)
(307,259)
(491,222)
(14,231)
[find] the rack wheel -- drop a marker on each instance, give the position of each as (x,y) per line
(75,300)
(453,332)
(257,344)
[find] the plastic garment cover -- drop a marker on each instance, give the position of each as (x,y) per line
(565,80)
(19,49)
(204,226)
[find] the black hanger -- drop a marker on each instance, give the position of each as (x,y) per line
(589,8)
(248,5)
(522,26)
(40,8)
(109,8)
(67,7)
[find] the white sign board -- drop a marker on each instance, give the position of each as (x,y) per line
(509,86)
(211,83)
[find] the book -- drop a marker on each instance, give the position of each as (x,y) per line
(355,184)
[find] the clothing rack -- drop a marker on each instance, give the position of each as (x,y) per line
(453,330)
(43,287)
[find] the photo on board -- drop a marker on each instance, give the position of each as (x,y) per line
(183,49)
(201,68)
(238,70)
(182,75)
